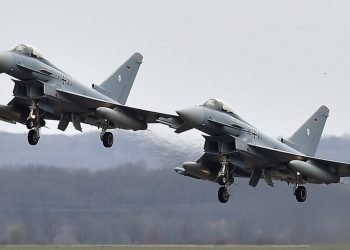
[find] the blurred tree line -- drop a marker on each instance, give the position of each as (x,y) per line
(140,203)
(131,204)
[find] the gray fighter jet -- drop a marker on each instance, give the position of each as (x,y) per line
(44,92)
(234,148)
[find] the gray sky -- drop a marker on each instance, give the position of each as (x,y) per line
(275,62)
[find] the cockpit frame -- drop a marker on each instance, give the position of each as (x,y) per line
(28,50)
(218,105)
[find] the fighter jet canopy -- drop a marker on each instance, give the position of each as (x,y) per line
(218,105)
(28,50)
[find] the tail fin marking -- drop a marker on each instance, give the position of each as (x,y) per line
(307,137)
(119,84)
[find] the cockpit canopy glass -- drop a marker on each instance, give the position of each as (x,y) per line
(28,50)
(218,105)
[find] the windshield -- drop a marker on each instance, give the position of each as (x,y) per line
(28,50)
(218,105)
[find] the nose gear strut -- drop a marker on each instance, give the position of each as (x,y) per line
(34,123)
(223,179)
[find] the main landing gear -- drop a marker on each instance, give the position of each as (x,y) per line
(300,193)
(34,123)
(106,137)
(224,180)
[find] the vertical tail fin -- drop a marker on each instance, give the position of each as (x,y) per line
(307,137)
(118,85)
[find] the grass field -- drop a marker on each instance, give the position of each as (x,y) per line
(188,247)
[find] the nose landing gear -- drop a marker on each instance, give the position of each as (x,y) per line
(224,194)
(224,180)
(33,136)
(34,124)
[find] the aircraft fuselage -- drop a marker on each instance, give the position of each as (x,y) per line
(54,81)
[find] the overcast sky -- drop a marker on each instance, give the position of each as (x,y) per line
(274,62)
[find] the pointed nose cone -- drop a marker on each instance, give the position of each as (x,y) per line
(5,62)
(192,116)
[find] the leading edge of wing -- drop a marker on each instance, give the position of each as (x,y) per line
(146,115)
(141,114)
(285,157)
(89,102)
(278,155)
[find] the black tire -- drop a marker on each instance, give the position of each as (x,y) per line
(301,194)
(223,195)
(33,137)
(107,139)
(30,123)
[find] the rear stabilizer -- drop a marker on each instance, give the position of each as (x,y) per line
(307,137)
(118,85)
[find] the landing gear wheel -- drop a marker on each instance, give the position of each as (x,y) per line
(30,123)
(300,193)
(107,139)
(33,137)
(223,194)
